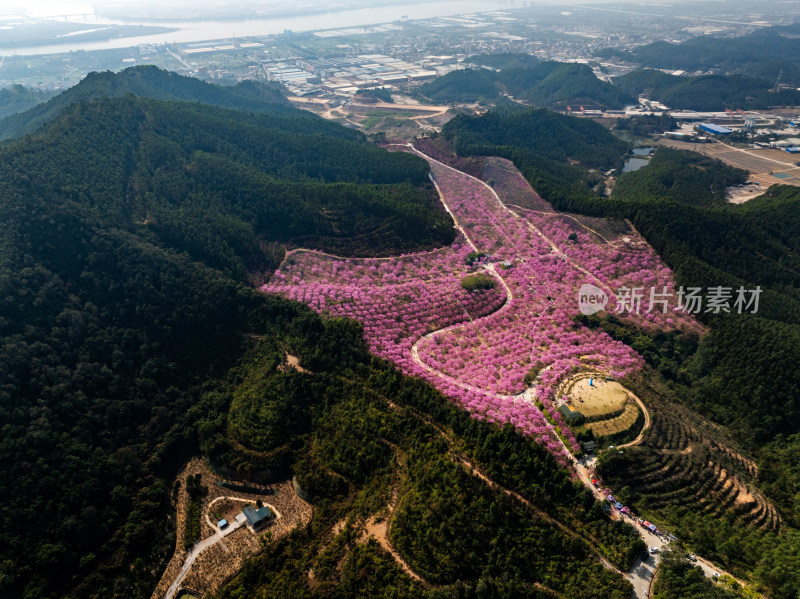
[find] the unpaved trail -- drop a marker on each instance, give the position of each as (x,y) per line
(193,554)
(476,471)
(581,472)
(647,422)
(380,530)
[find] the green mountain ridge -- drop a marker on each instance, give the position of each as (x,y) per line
(765,54)
(16,98)
(151,82)
(546,84)
(706,92)
(130,341)
(150,164)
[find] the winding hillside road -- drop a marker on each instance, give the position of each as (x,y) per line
(641,574)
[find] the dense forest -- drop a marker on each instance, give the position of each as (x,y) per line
(742,372)
(706,92)
(679,176)
(646,125)
(130,341)
(766,53)
(679,578)
(547,84)
(216,183)
(151,82)
(545,145)
(323,427)
(502,61)
(553,136)
(16,98)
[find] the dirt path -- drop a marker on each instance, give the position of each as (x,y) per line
(195,551)
(564,215)
(205,544)
(647,422)
(553,247)
(581,471)
(220,553)
(475,470)
(380,532)
(539,512)
(380,529)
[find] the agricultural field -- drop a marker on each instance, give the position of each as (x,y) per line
(478,346)
(684,462)
(766,166)
(618,424)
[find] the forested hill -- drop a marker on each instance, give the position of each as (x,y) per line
(553,150)
(124,225)
(223,185)
(127,345)
(502,61)
(680,176)
(16,98)
(552,135)
(151,82)
(743,374)
(706,92)
(547,84)
(766,53)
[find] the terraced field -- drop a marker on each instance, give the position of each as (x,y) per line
(679,464)
(613,426)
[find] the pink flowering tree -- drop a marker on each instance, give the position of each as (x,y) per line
(477,346)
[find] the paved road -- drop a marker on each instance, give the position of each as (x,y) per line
(641,575)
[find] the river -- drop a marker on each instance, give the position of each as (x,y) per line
(196,31)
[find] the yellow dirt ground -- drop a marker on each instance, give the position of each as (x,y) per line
(602,397)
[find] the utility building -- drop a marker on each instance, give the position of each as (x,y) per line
(257,518)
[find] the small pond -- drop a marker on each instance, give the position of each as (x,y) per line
(639,159)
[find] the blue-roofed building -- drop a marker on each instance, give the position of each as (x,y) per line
(714,129)
(257,517)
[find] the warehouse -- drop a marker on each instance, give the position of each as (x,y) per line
(714,129)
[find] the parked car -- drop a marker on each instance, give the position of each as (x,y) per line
(692,557)
(653,549)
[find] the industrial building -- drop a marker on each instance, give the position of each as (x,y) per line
(345,75)
(714,129)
